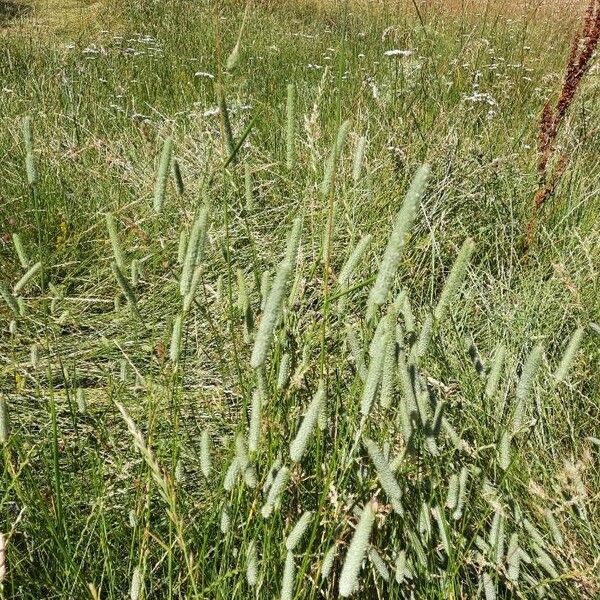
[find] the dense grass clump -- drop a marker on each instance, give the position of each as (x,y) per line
(269,326)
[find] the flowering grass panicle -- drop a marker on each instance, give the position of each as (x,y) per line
(386,477)
(332,161)
(10,300)
(569,355)
(495,372)
(252,564)
(275,491)
(359,157)
(231,475)
(162,176)
(455,280)
(328,561)
(391,257)
(136,585)
(289,576)
(30,163)
(270,316)
(205,453)
(379,564)
(27,277)
(20,250)
(307,427)
(194,249)
(356,551)
(525,385)
(299,529)
(373,377)
(352,261)
(4,420)
(255,422)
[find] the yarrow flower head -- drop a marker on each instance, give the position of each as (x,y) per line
(398,53)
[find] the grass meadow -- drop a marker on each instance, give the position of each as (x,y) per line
(272,322)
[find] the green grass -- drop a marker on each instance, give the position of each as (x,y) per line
(88,358)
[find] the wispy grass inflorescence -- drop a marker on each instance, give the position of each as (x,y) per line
(140,444)
(391,257)
(270,316)
(403,569)
(452,495)
(356,551)
(442,525)
(557,536)
(265,286)
(489,587)
(504,450)
(293,242)
(81,401)
(513,558)
(162,176)
(462,493)
(231,475)
(389,370)
(225,522)
(421,346)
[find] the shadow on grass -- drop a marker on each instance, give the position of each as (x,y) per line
(11,9)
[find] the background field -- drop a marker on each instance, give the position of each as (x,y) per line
(88,506)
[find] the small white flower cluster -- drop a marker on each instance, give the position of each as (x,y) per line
(403,53)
